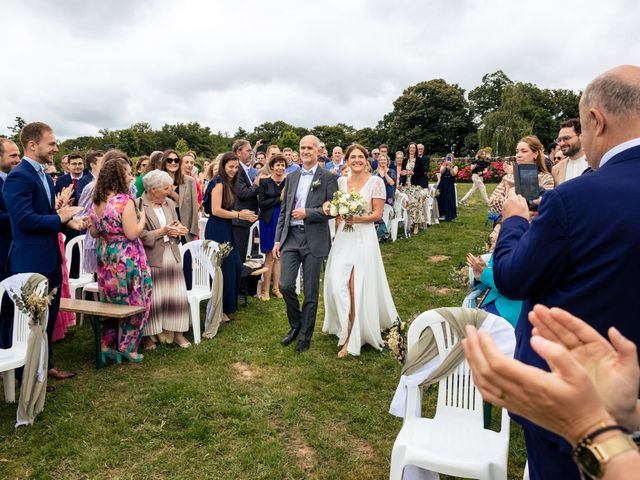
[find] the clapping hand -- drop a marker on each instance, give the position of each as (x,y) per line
(248,215)
(176,229)
(80,223)
(67,212)
(64,197)
(612,367)
(564,400)
(477,264)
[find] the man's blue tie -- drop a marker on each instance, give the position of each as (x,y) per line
(306,172)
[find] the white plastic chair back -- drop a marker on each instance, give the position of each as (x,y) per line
(202,225)
(21,320)
(77,242)
(387,214)
(200,277)
(255,229)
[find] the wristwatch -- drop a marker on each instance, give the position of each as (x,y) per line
(592,456)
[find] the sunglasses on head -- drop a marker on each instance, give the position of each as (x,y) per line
(172,160)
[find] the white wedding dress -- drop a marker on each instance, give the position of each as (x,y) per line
(358,251)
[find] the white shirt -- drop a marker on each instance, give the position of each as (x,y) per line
(576,167)
(618,149)
(162,219)
(303,191)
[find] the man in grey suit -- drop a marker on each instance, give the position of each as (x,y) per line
(303,237)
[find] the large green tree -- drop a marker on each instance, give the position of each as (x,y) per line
(526,109)
(435,113)
(487,97)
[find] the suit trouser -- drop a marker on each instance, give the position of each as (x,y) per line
(241,239)
(548,460)
(478,184)
(55,281)
(294,252)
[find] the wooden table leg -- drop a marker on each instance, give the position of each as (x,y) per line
(97,333)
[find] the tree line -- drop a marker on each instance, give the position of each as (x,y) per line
(441,115)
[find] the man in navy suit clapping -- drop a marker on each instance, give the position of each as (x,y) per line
(35,221)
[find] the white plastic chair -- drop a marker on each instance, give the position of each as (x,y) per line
(202,225)
(84,277)
(455,441)
(400,215)
(201,283)
(255,229)
(15,356)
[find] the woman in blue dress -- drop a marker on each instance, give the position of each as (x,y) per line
(269,199)
(218,202)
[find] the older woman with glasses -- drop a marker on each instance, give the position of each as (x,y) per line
(169,314)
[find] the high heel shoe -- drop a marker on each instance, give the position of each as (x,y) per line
(265,297)
(277,293)
(111,354)
(137,359)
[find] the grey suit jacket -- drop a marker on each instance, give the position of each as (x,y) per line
(189,207)
(154,247)
(316,228)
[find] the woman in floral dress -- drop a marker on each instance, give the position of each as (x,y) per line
(123,275)
(416,195)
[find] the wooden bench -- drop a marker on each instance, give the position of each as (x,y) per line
(99,311)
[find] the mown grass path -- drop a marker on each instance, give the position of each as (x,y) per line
(241,406)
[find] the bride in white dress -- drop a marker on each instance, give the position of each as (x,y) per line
(357,299)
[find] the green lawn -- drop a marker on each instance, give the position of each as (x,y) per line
(240,406)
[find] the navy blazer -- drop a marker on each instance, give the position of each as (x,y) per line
(246,197)
(5,230)
(34,222)
(581,253)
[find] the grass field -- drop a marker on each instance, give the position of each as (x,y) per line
(240,406)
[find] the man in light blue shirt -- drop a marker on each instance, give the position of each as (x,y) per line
(337,161)
(288,155)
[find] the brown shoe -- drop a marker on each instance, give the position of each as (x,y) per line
(60,374)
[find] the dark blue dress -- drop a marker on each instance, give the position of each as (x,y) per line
(219,230)
(447,197)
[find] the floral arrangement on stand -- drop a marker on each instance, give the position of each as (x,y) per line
(397,338)
(347,205)
(224,249)
(32,304)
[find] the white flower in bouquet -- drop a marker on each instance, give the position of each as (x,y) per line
(333,210)
(347,205)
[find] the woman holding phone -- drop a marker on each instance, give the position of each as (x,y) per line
(529,150)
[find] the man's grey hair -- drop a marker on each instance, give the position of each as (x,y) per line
(613,95)
(156,179)
(238,144)
(314,137)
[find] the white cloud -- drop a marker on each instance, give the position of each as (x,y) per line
(86,65)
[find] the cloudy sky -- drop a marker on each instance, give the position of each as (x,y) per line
(82,65)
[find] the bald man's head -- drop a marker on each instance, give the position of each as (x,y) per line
(610,111)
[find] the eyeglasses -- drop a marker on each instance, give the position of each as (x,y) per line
(564,139)
(376,153)
(172,160)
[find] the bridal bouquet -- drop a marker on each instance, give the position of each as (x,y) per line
(347,205)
